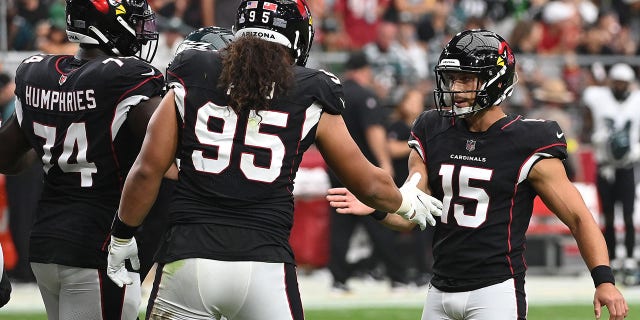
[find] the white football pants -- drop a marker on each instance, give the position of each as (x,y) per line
(202,289)
(71,293)
(496,302)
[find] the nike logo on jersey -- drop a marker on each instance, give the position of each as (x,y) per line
(150,73)
(559,135)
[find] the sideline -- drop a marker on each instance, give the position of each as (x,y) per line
(366,293)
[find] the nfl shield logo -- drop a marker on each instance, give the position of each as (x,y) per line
(62,79)
(471,145)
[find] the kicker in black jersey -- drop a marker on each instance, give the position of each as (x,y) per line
(74,115)
(242,165)
(487,201)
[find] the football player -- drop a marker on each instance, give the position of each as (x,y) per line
(84,117)
(487,167)
(148,236)
(616,141)
(239,121)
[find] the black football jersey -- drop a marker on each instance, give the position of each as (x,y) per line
(481,178)
(237,171)
(74,115)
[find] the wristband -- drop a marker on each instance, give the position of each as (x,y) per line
(602,274)
(121,230)
(378,215)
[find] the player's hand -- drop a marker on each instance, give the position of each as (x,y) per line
(346,203)
(608,295)
(423,207)
(119,251)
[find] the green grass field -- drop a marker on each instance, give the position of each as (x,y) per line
(564,312)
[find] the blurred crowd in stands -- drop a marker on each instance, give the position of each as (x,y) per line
(402,38)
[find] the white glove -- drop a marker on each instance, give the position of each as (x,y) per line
(119,251)
(608,173)
(417,206)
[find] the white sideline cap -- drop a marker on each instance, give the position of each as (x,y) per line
(621,72)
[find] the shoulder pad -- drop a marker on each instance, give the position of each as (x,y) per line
(327,90)
(190,64)
(542,136)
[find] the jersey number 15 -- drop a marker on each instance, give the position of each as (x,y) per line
(466,174)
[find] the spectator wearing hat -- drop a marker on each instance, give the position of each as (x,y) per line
(613,110)
(366,119)
(554,102)
(562,26)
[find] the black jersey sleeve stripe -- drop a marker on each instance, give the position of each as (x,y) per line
(534,158)
(180,99)
(312,117)
(121,111)
(416,144)
(139,85)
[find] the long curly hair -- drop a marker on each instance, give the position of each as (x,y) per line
(254,72)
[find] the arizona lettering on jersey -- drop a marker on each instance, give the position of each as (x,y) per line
(241,165)
(74,115)
(481,178)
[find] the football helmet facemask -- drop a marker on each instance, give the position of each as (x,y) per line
(118,27)
(485,55)
(287,22)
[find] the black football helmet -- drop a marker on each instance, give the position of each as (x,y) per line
(207,38)
(118,27)
(287,22)
(484,54)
